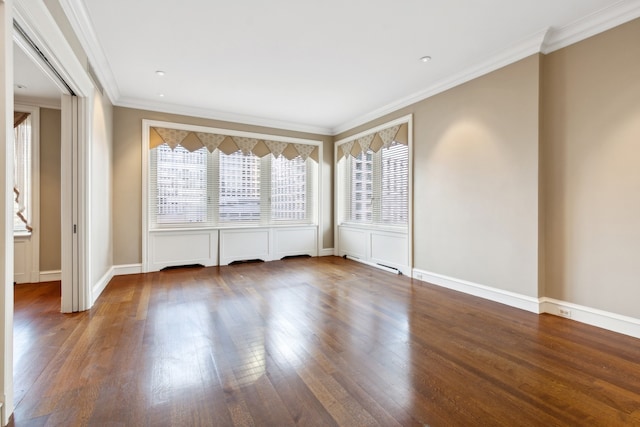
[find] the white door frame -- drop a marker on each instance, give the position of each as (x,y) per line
(6,214)
(39,25)
(36,21)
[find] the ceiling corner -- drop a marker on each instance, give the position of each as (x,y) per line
(592,24)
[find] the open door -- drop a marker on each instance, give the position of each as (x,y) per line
(70,230)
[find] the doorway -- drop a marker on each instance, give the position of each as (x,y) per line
(47,81)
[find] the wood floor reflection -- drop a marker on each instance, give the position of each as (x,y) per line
(310,342)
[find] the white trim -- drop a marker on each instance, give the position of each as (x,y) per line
(35,19)
(6,218)
(99,287)
(327,252)
(50,276)
(593,316)
(81,23)
(592,24)
(544,41)
(124,269)
(512,299)
(514,53)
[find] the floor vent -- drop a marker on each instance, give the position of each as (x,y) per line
(295,257)
(392,270)
(246,261)
(179,267)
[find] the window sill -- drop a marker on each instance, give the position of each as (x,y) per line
(230,227)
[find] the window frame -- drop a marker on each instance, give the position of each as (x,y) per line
(317,219)
(367,230)
(341,181)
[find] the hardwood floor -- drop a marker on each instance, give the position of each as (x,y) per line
(311,342)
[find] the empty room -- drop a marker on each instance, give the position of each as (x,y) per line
(321,213)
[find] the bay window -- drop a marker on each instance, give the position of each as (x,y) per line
(211,179)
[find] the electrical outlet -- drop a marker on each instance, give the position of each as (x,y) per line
(564,312)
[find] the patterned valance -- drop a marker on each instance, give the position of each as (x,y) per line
(229,144)
(398,134)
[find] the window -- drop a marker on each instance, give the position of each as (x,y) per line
(239,184)
(201,188)
(22,165)
(394,197)
(289,195)
(373,183)
(181,185)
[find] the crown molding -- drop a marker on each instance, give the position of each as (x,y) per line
(207,113)
(83,27)
(545,41)
(592,24)
(514,53)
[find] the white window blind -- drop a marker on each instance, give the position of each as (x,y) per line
(200,188)
(376,186)
(180,182)
(394,191)
(239,184)
(289,189)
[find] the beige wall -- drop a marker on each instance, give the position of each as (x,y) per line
(476,179)
(127,176)
(591,136)
(49,190)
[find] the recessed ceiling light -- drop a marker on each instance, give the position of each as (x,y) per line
(425,58)
(160,73)
(161,95)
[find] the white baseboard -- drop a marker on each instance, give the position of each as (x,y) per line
(124,269)
(116,270)
(591,316)
(327,252)
(512,299)
(99,287)
(50,276)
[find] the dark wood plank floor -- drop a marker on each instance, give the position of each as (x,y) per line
(311,342)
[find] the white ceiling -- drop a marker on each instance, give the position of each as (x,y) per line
(320,66)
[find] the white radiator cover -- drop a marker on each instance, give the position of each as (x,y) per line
(387,248)
(210,247)
(182,247)
(267,244)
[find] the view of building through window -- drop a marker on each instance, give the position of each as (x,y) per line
(379,186)
(239,180)
(208,188)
